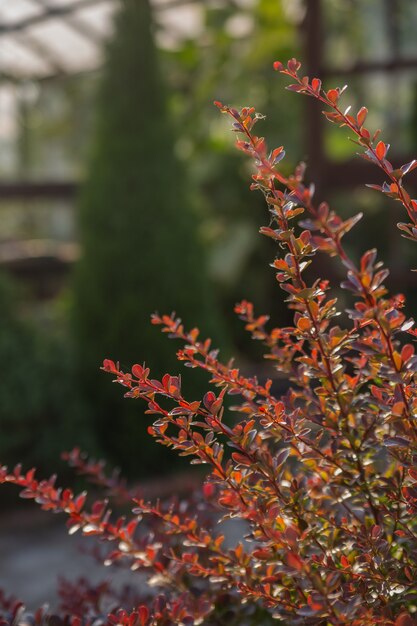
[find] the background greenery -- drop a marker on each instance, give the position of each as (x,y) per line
(166,222)
(141,247)
(165,219)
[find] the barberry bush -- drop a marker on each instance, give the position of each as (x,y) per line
(324,477)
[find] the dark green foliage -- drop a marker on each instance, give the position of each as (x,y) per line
(228,66)
(36,390)
(141,251)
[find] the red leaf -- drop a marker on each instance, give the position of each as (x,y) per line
(344,561)
(295,87)
(381,150)
(240,458)
(405,619)
(363,112)
(293,65)
(407,352)
(333,95)
(137,371)
(208,399)
(413,473)
(278,66)
(208,490)
(376,532)
(316,85)
(294,561)
(333,117)
(143,615)
(109,366)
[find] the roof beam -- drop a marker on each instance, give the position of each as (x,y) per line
(50,13)
(78,25)
(40,50)
(54,12)
(19,30)
(365,67)
(43,189)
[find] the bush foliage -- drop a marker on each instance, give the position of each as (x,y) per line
(36,388)
(323,477)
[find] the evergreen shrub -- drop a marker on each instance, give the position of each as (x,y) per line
(138,236)
(37,387)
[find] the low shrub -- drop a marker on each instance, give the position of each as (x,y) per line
(36,387)
(323,477)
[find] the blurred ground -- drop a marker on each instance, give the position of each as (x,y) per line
(35,549)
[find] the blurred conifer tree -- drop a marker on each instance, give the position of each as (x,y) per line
(139,236)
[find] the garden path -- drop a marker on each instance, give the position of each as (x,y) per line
(35,549)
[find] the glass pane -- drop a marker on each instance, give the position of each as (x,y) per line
(408,26)
(392,103)
(99,17)
(18,60)
(8,131)
(356,30)
(18,10)
(67,47)
(36,220)
(45,128)
(179,23)
(62,3)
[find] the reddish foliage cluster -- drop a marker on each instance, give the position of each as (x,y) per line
(324,477)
